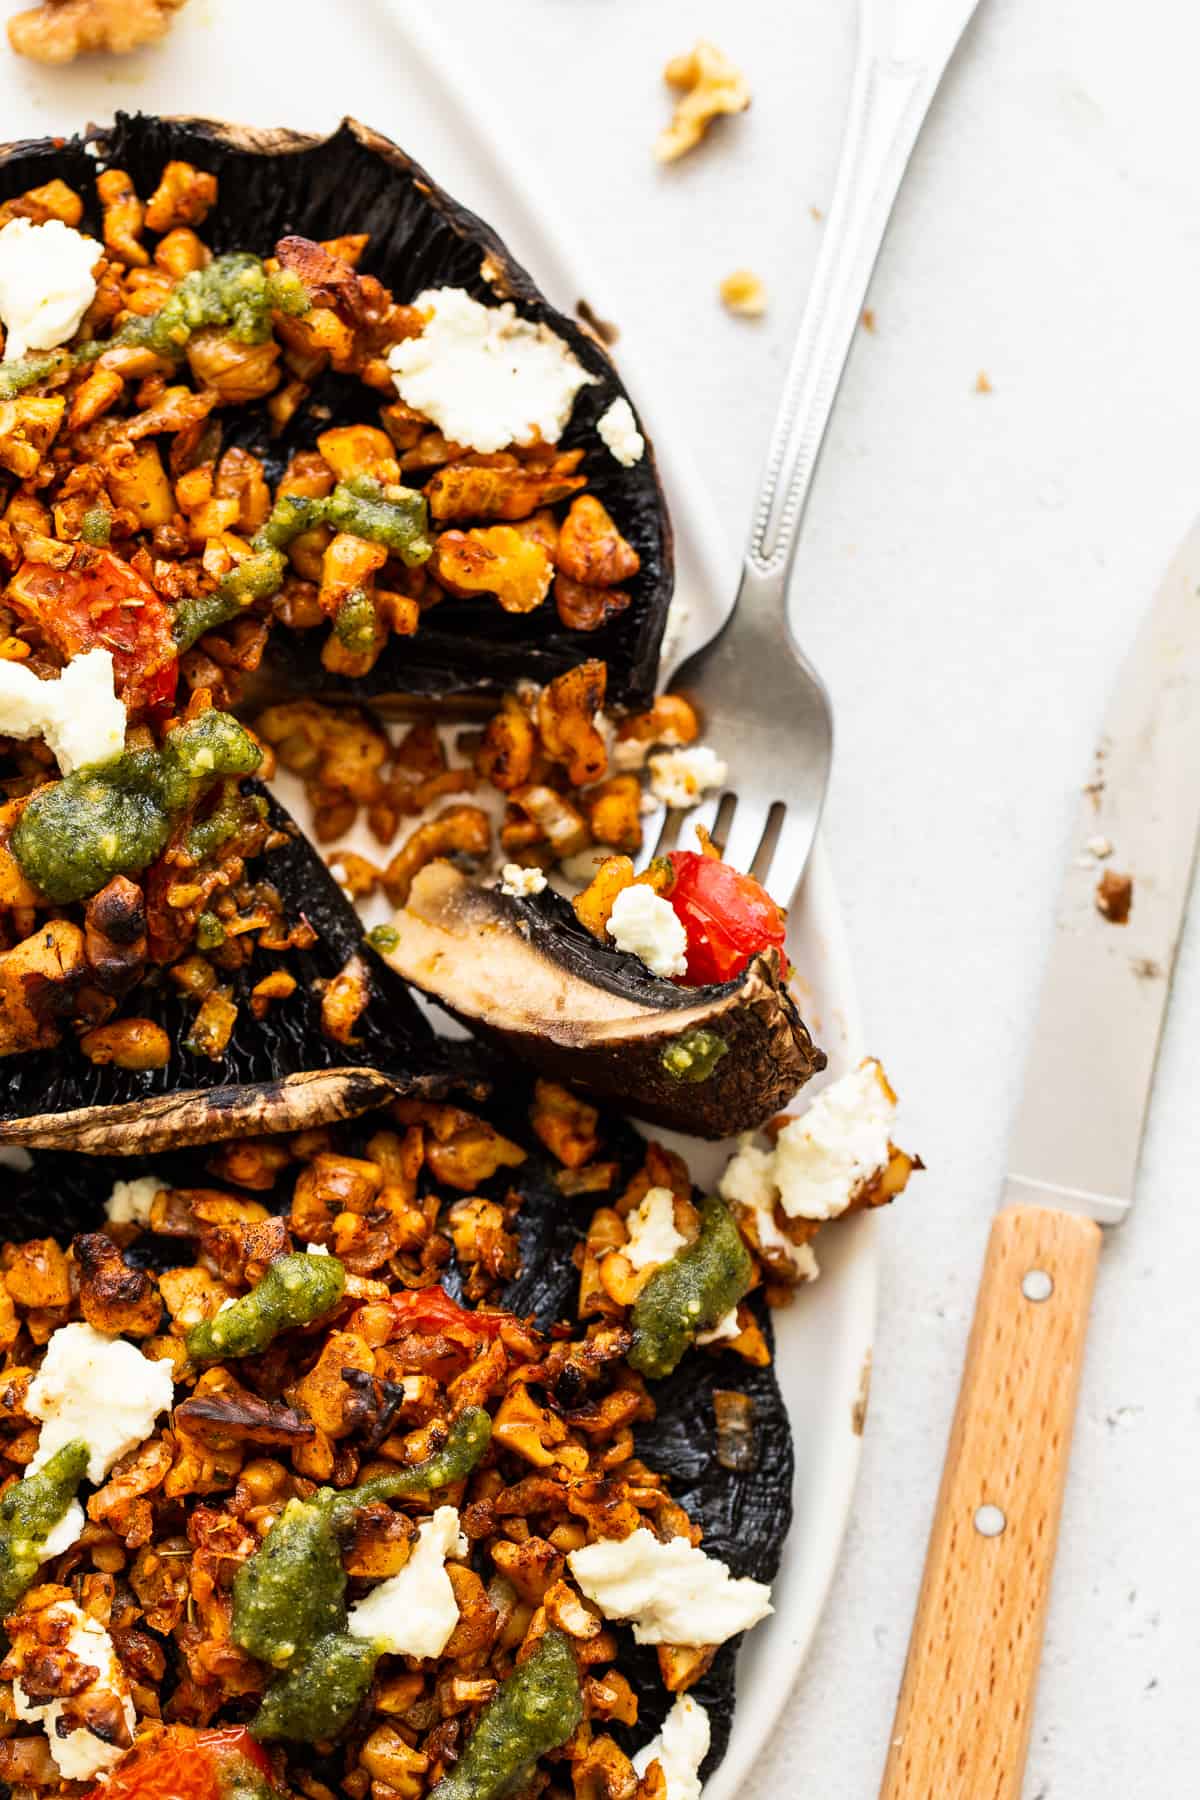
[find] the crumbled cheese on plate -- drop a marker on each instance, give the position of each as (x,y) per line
(46,284)
(618,429)
(485,376)
(521,883)
(672,1592)
(653,1237)
(414,1613)
(679,1749)
(681,778)
(97,1388)
(79,715)
(131,1201)
(80,1754)
(647,926)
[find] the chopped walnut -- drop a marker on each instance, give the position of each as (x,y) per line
(744,293)
(711,85)
(58,31)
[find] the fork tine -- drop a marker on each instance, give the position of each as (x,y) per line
(745,834)
(792,850)
(705,814)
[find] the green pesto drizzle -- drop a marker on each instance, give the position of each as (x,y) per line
(29,1511)
(96,525)
(691,1292)
(535,1710)
(294,1291)
(693,1055)
(396,517)
(289,1599)
(383,937)
(116,817)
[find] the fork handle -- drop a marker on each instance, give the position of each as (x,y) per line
(889,99)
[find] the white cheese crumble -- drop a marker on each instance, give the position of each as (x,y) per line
(317,1250)
(671,1592)
(618,428)
(651,1227)
(824,1158)
(484,376)
(81,1754)
(66,1532)
(520,882)
(97,1388)
(683,777)
(46,284)
(646,925)
(725,1328)
(629,754)
(414,1613)
(131,1201)
(679,1749)
(749,1180)
(79,715)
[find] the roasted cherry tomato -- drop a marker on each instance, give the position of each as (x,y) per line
(101,603)
(728,917)
(431,1309)
(202,1765)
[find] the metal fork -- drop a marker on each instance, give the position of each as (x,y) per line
(762,704)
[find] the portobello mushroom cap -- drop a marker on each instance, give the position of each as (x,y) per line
(525,975)
(274,183)
(282,1072)
(745,1513)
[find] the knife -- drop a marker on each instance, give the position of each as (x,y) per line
(962,1723)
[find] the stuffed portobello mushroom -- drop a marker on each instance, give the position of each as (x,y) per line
(226,991)
(313,404)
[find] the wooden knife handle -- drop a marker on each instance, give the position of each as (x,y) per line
(966,1700)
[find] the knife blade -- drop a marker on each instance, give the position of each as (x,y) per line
(1090,1069)
(966,1700)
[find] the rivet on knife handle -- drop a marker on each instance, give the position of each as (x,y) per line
(966,1701)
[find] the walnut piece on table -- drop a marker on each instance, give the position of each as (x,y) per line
(57,31)
(712,85)
(744,293)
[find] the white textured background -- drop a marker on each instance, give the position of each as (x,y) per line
(972,569)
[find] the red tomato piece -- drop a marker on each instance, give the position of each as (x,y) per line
(185,1768)
(101,603)
(431,1309)
(728,917)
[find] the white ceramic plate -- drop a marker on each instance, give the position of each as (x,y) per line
(824,1339)
(214,63)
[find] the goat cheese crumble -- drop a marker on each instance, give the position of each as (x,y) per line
(651,1227)
(80,1754)
(520,882)
(679,1749)
(725,1328)
(823,1159)
(484,376)
(130,1201)
(647,926)
(67,1531)
(682,777)
(46,284)
(414,1613)
(749,1181)
(618,429)
(100,1389)
(671,1592)
(79,715)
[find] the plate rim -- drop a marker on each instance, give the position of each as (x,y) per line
(772,1657)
